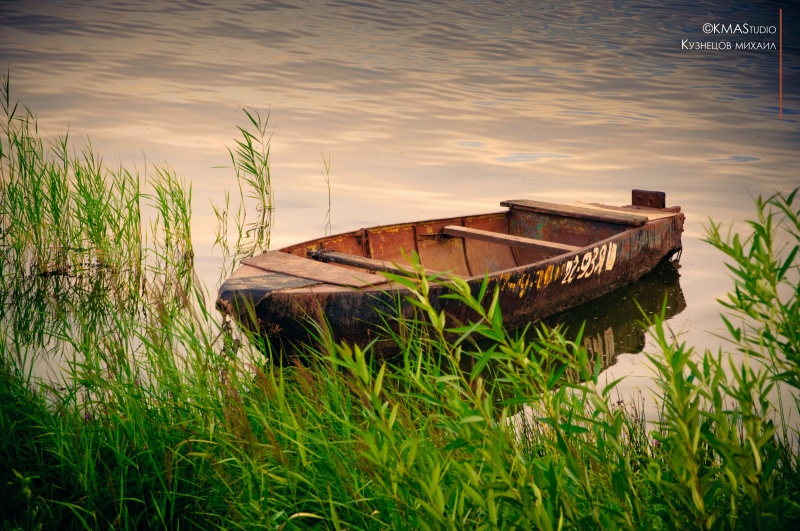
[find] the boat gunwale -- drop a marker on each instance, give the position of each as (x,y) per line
(405,224)
(443,275)
(318,242)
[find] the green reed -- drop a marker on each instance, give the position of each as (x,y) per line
(166,417)
(250,161)
(327,176)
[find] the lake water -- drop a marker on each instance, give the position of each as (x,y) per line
(431,109)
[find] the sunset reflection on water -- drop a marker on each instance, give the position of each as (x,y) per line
(425,109)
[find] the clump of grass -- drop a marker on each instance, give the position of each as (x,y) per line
(250,161)
(72,242)
(167,418)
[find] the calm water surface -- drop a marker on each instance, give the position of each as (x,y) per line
(431,109)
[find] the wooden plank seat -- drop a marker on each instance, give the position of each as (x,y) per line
(573,211)
(363,262)
(297,266)
(507,239)
(649,213)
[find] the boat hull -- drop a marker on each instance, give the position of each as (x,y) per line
(281,304)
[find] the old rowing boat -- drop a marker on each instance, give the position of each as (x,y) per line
(542,257)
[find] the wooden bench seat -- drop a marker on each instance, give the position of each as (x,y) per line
(507,239)
(364,263)
(297,266)
(572,211)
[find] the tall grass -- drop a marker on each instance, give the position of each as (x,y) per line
(169,419)
(74,249)
(250,161)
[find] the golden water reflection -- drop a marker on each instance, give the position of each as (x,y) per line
(426,109)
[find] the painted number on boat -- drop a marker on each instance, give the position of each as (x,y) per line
(592,262)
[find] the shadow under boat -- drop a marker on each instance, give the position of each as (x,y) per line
(615,322)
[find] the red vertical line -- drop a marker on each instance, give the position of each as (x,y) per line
(780,65)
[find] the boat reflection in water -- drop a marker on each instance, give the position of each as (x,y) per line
(614,322)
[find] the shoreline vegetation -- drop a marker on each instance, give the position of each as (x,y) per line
(168,417)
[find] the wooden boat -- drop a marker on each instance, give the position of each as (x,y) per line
(543,257)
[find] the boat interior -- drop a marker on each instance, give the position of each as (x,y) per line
(528,232)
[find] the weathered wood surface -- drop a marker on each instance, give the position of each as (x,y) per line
(360,261)
(572,211)
(507,239)
(638,211)
(648,198)
(289,264)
